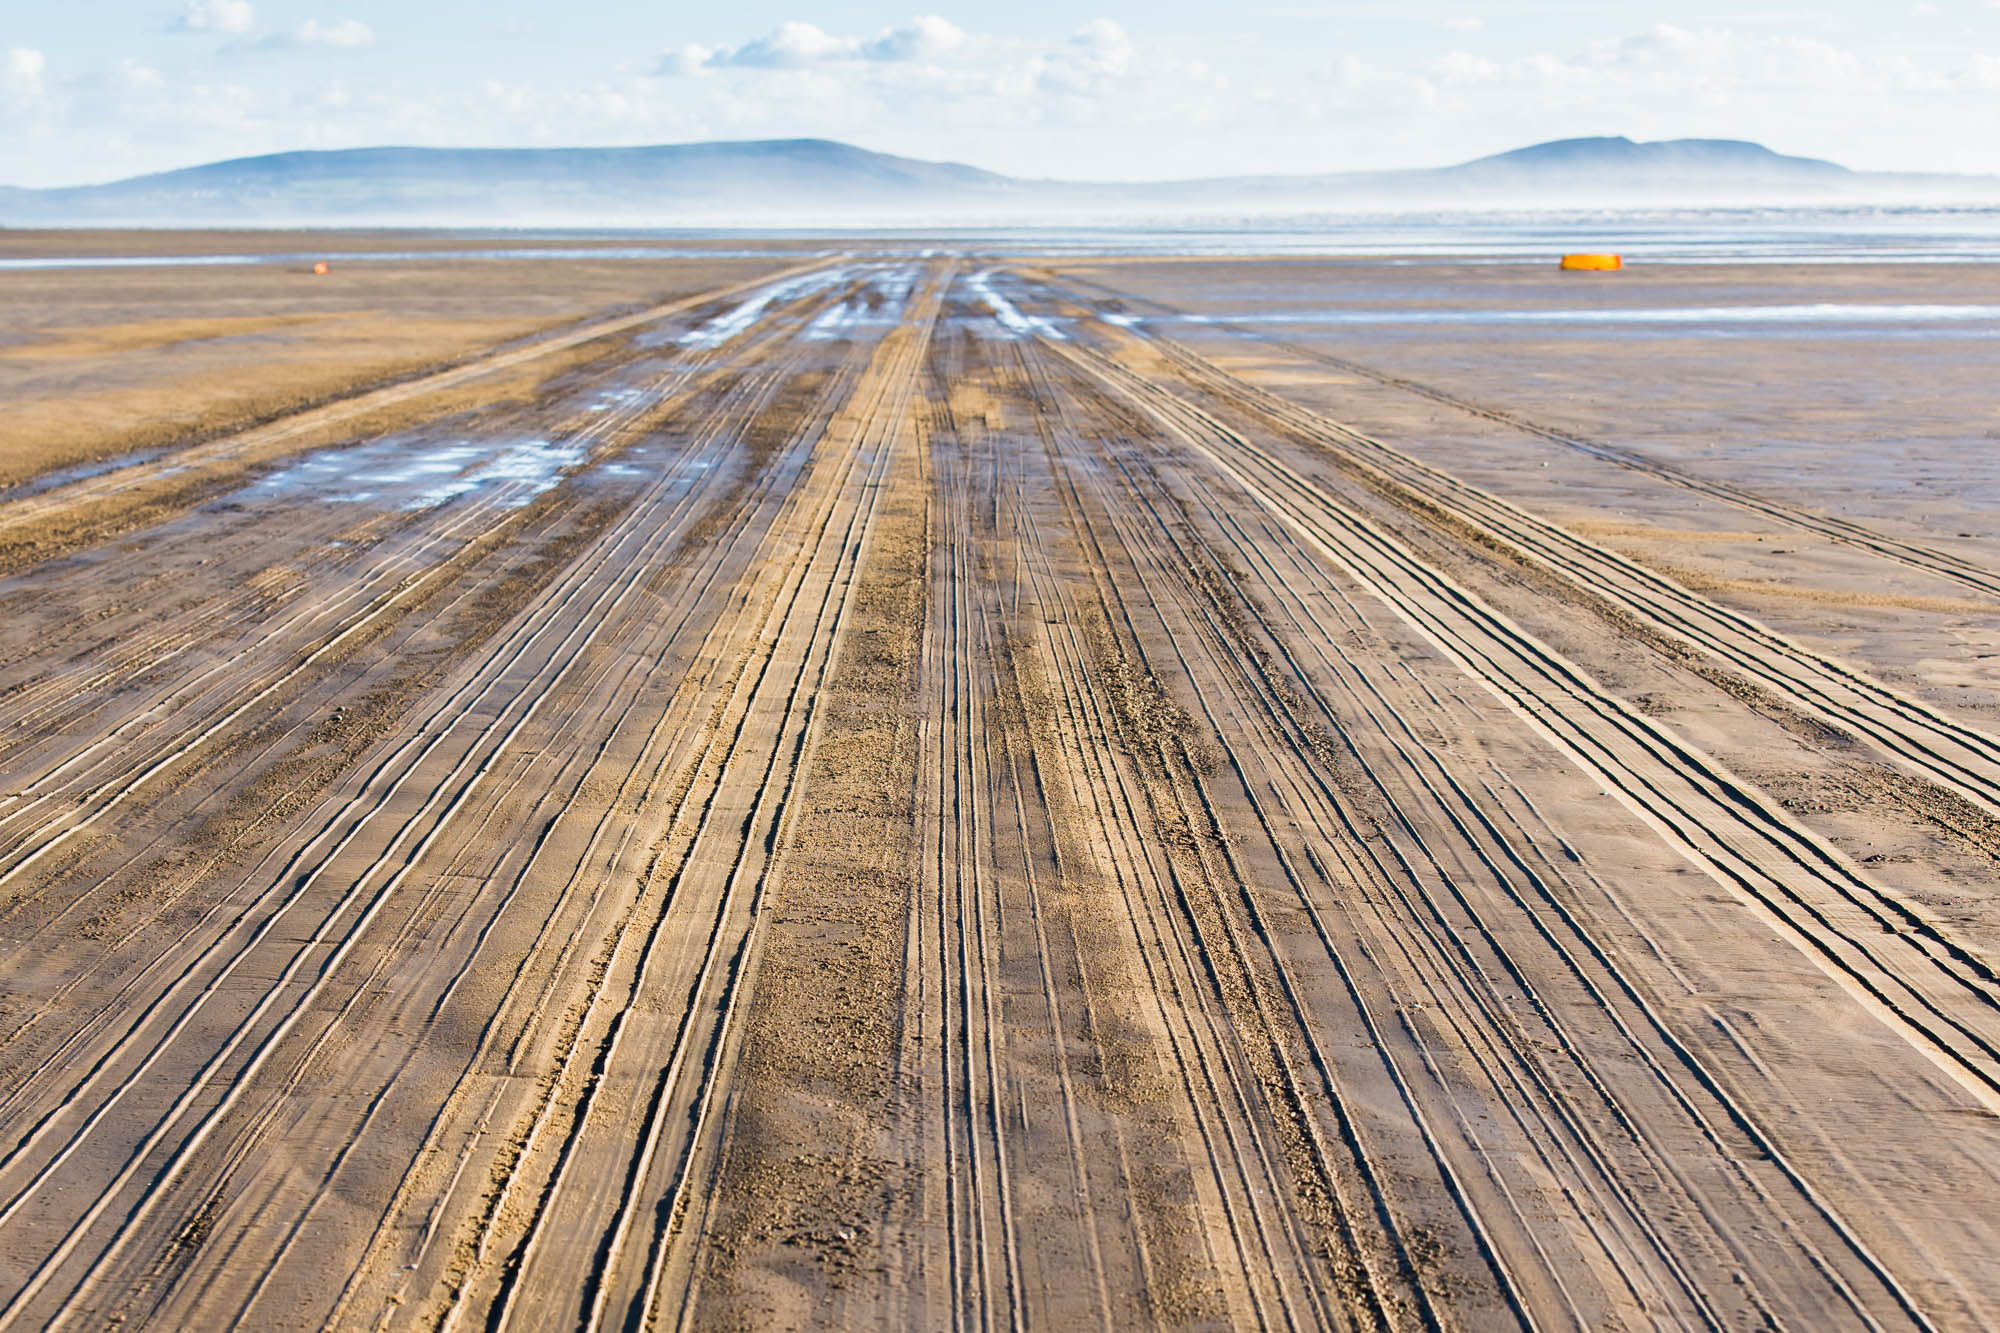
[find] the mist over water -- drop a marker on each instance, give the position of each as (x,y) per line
(1696,235)
(1707,235)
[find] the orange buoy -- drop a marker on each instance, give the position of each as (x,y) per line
(1593,263)
(320,268)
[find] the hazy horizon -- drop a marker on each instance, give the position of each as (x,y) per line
(1116,92)
(821,184)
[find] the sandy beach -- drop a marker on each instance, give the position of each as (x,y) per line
(774,788)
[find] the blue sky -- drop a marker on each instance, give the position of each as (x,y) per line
(95,90)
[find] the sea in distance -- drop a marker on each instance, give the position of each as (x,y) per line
(1711,235)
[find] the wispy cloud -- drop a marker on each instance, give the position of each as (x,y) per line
(238,20)
(344,34)
(232,17)
(136,77)
(23,67)
(800,45)
(21,80)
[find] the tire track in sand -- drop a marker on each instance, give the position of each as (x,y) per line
(1943,564)
(1943,999)
(552,637)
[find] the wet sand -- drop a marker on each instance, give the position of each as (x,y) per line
(96,363)
(933,793)
(1888,423)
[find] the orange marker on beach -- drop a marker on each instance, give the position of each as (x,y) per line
(1594,263)
(320,268)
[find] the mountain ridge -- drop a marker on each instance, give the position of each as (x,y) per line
(1611,152)
(796,179)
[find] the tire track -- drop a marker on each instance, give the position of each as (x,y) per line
(565,619)
(1934,992)
(1376,1271)
(621,692)
(1564,1132)
(130,988)
(1561,1132)
(1914,736)
(26,510)
(1942,564)
(221,680)
(1260,963)
(763,724)
(667,741)
(1247,1203)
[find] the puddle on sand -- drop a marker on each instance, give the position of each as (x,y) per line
(594,253)
(832,323)
(877,303)
(1816,316)
(49,481)
(740,317)
(1008,315)
(613,400)
(398,474)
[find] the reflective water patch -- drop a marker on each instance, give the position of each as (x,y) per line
(406,476)
(1009,315)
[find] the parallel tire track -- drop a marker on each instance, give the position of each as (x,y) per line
(30,509)
(1919,738)
(1942,997)
(1943,564)
(566,618)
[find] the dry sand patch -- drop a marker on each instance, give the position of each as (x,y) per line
(98,363)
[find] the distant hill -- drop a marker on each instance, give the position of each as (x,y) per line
(495,183)
(1585,172)
(801,181)
(1667,160)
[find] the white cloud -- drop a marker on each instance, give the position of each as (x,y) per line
(1866,105)
(789,46)
(1095,57)
(21,71)
(800,45)
(227,16)
(1666,68)
(24,66)
(925,37)
(1356,89)
(685,60)
(346,34)
(932,89)
(135,77)
(1463,67)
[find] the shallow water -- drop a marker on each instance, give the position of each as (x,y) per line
(405,475)
(877,303)
(1821,313)
(739,317)
(1802,235)
(1008,316)
(380,256)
